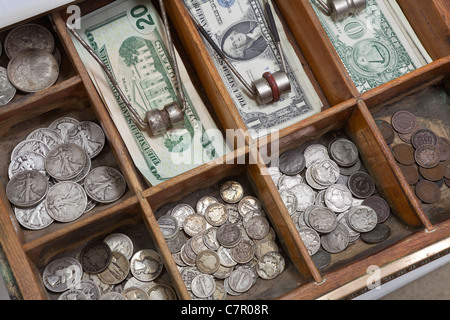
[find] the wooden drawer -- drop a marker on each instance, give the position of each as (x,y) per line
(419,231)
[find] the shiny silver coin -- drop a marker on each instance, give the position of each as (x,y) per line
(248,204)
(62,274)
(63,125)
(181,212)
(65,161)
(306,196)
(338,198)
(28,36)
(203,286)
(7,90)
(50,137)
(88,135)
(289,200)
(105,184)
(203,203)
(33,70)
(207,261)
(169,226)
(27,161)
(194,224)
(33,218)
(146,265)
(66,201)
(231,192)
(27,188)
(30,145)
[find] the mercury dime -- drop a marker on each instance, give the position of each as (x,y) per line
(322,219)
(176,244)
(88,135)
(216,214)
(203,285)
(187,274)
(28,36)
(105,184)
(62,274)
(231,192)
(73,294)
(270,265)
(50,137)
(194,224)
(240,280)
(263,246)
(197,243)
(220,292)
(243,252)
(305,196)
(225,257)
(289,200)
(207,262)
(380,206)
(169,226)
(181,212)
(403,121)
(27,188)
(228,235)
(337,240)
(338,198)
(361,185)
(204,202)
(33,218)
(344,152)
(292,162)
(66,201)
(287,182)
(380,233)
(257,227)
(117,270)
(248,204)
(33,70)
(30,145)
(27,161)
(146,265)
(428,192)
(95,256)
(315,152)
(65,161)
(427,156)
(362,218)
(423,137)
(210,238)
(63,125)
(311,239)
(7,90)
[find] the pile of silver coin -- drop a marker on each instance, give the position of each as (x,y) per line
(223,246)
(108,269)
(34,61)
(52,177)
(330,198)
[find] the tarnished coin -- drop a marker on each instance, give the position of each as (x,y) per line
(28,36)
(380,233)
(203,285)
(380,206)
(233,212)
(427,156)
(263,246)
(7,90)
(197,243)
(361,185)
(216,214)
(348,171)
(240,280)
(66,201)
(50,137)
(176,244)
(321,259)
(62,274)
(362,218)
(63,125)
(146,265)
(73,294)
(207,262)
(292,162)
(88,135)
(322,219)
(169,226)
(121,243)
(95,257)
(337,240)
(27,188)
(112,296)
(134,293)
(228,235)
(181,212)
(27,161)
(306,196)
(33,70)
(204,202)
(287,182)
(404,153)
(447,169)
(311,239)
(65,161)
(314,153)
(386,130)
(344,152)
(325,172)
(231,192)
(411,173)
(423,137)
(270,265)
(248,204)
(244,251)
(105,184)
(403,121)
(289,200)
(311,182)
(90,289)
(342,219)
(257,227)
(194,224)
(117,270)
(428,191)
(33,218)
(210,238)
(433,174)
(220,293)
(161,291)
(338,198)
(30,145)
(187,274)
(443,145)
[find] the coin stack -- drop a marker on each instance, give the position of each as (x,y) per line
(34,61)
(422,155)
(51,174)
(330,198)
(223,245)
(108,269)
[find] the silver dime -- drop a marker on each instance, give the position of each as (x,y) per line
(228,235)
(169,226)
(225,257)
(216,214)
(210,238)
(176,244)
(181,212)
(338,198)
(194,224)
(243,252)
(264,246)
(27,161)
(197,243)
(257,227)
(62,274)
(28,36)
(50,137)
(113,296)
(231,192)
(362,218)
(311,239)
(146,265)
(248,204)
(187,274)
(33,70)
(270,265)
(337,240)
(240,280)
(27,188)
(66,201)
(292,162)
(233,213)
(105,184)
(314,153)
(161,291)
(305,196)
(32,145)
(7,90)
(203,285)
(88,135)
(207,261)
(63,125)
(65,161)
(33,218)
(322,219)
(344,152)
(204,202)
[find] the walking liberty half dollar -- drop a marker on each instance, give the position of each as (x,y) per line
(105,184)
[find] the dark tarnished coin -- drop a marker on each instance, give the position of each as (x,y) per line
(207,261)
(321,259)
(403,121)
(28,36)
(404,153)
(95,257)
(427,156)
(33,70)
(117,270)
(27,188)
(447,169)
(7,90)
(344,152)
(337,240)
(292,162)
(105,184)
(386,130)
(411,173)
(423,137)
(433,174)
(428,191)
(380,233)
(243,252)
(228,235)
(361,185)
(380,206)
(443,145)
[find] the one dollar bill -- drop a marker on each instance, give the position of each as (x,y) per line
(128,37)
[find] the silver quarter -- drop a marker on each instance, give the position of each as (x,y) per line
(73,294)
(90,289)
(105,184)
(135,293)
(28,36)
(7,90)
(66,201)
(62,274)
(146,265)
(117,271)
(88,135)
(65,161)
(27,188)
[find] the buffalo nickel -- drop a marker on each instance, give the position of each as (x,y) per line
(362,218)
(292,162)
